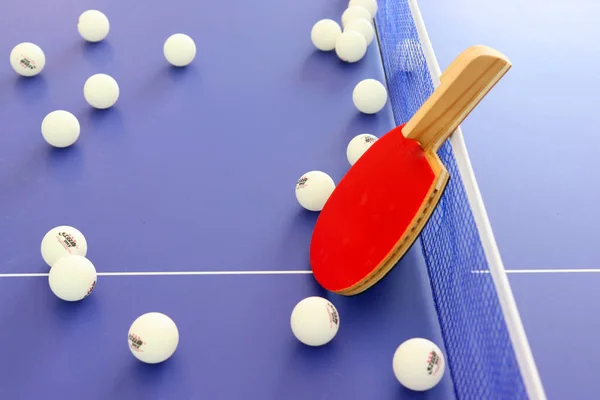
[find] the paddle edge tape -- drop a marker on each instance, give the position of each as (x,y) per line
(410,235)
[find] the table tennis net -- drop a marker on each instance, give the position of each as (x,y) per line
(481,357)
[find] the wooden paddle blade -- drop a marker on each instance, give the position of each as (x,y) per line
(463,85)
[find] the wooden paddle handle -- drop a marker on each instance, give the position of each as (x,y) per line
(463,84)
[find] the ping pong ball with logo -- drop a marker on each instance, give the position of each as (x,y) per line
(418,364)
(313,190)
(358,146)
(62,241)
(27,59)
(153,338)
(315,321)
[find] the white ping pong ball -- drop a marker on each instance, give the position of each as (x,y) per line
(153,338)
(363,27)
(355,12)
(313,190)
(315,321)
(93,26)
(369,96)
(60,128)
(418,364)
(369,5)
(324,34)
(358,146)
(179,49)
(350,46)
(27,59)
(72,278)
(62,241)
(101,91)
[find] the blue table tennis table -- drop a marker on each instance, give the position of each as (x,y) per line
(185,193)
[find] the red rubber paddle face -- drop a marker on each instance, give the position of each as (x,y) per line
(370,210)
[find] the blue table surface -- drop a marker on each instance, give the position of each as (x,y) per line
(192,170)
(533,147)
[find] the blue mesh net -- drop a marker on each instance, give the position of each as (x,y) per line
(480,355)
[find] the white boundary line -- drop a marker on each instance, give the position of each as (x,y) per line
(302,272)
(171,273)
(204,273)
(542,271)
(516,331)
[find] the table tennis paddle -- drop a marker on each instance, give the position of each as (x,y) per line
(381,205)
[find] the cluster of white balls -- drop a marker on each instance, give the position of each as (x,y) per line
(369,96)
(356,33)
(417,363)
(152,337)
(61,128)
